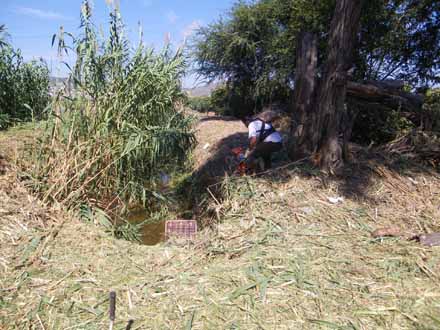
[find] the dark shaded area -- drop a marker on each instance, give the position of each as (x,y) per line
(129,325)
(205,182)
(152,233)
(367,165)
(218,118)
(357,176)
(223,161)
(353,181)
(3,165)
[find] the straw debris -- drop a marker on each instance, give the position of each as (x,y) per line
(282,257)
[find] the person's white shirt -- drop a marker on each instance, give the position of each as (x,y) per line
(255,129)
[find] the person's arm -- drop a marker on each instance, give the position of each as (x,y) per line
(252,137)
(252,143)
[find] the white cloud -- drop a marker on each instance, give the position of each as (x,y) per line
(43,14)
(172,17)
(113,3)
(191,28)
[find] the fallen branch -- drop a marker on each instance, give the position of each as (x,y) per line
(385,94)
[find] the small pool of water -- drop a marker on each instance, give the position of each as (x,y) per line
(152,233)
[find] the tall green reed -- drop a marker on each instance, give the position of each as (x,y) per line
(24,86)
(109,139)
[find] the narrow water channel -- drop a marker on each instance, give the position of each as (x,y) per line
(152,233)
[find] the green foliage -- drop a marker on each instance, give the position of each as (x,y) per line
(431,110)
(200,103)
(24,87)
(111,139)
(219,101)
(379,125)
(400,39)
(253,48)
(124,230)
(3,36)
(256,42)
(248,50)
(226,101)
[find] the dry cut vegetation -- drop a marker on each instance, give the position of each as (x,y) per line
(283,257)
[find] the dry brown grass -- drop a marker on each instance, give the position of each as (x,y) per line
(283,257)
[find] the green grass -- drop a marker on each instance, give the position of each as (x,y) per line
(14,140)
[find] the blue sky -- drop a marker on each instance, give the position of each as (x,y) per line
(31,23)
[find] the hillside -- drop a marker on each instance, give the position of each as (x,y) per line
(203,90)
(283,255)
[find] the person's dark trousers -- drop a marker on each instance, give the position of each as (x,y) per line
(263,150)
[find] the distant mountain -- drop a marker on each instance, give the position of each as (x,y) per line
(57,80)
(205,90)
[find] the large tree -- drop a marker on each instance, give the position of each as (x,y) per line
(400,39)
(253,47)
(320,109)
(332,93)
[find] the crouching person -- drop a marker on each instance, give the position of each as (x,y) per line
(264,140)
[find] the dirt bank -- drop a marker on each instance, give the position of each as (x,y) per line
(217,136)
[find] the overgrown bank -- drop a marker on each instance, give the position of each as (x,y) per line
(290,249)
(108,141)
(282,257)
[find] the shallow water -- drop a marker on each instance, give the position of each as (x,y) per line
(152,233)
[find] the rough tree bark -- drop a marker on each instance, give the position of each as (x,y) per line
(320,112)
(333,89)
(304,94)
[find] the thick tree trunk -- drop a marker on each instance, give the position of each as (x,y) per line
(332,92)
(322,121)
(305,90)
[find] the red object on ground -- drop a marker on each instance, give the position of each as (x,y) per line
(242,168)
(181,228)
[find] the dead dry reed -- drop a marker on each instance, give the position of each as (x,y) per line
(282,257)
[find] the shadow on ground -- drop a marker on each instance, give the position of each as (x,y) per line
(369,165)
(217,118)
(222,162)
(354,182)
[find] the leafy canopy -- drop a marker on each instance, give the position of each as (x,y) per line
(254,45)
